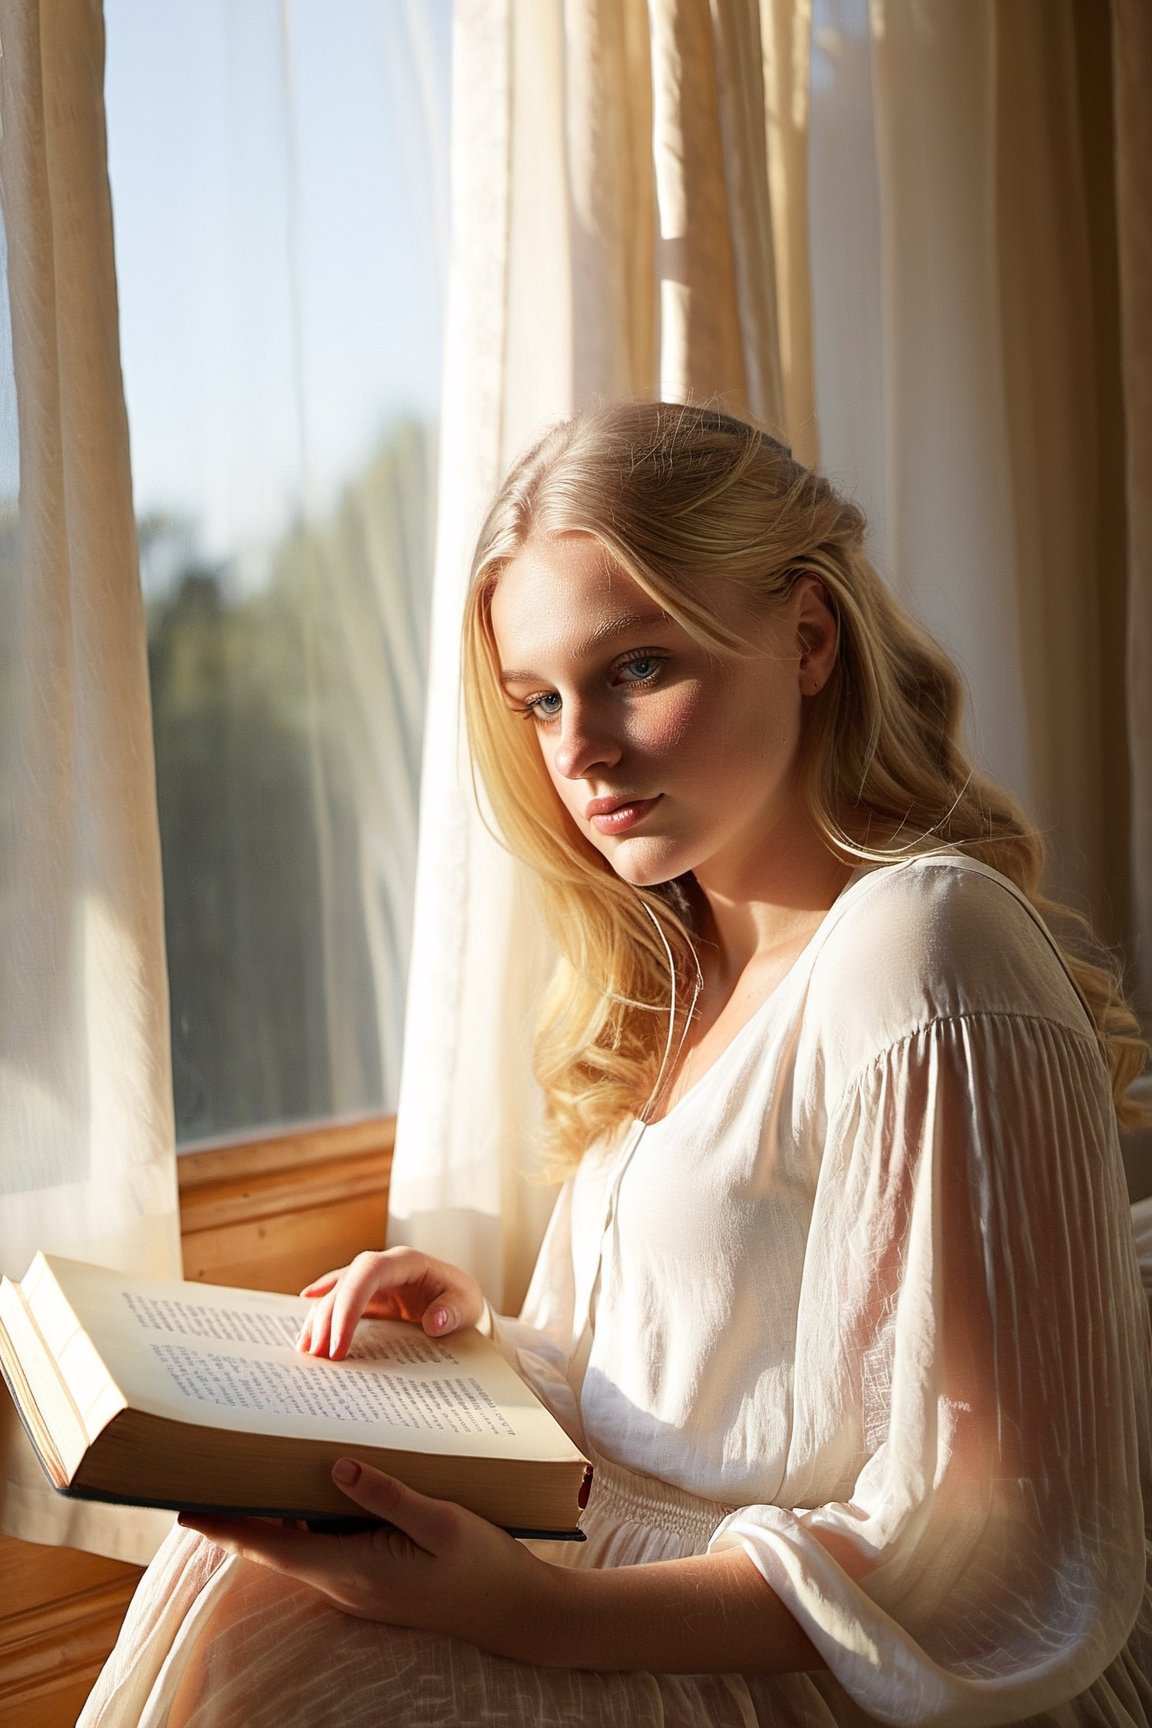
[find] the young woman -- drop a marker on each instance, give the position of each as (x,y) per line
(839,1293)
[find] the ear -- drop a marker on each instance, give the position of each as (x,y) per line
(817,633)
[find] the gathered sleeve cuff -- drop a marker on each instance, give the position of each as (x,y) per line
(971,1271)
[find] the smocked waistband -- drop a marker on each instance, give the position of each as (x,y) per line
(630,1496)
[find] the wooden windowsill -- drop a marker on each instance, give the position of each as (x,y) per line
(203,1163)
(274,1212)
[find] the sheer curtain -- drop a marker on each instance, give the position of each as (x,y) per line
(85,1096)
(967,378)
(889,230)
(983,386)
(612,236)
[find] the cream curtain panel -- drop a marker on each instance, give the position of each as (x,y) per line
(612,236)
(87,1166)
(983,384)
(888,230)
(967,378)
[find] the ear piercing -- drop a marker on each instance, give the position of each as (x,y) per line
(813,684)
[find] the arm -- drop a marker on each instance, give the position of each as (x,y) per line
(972,1302)
(442,1569)
(973,1287)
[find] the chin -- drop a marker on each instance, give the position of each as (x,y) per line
(640,872)
(644,879)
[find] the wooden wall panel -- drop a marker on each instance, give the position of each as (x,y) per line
(60,1611)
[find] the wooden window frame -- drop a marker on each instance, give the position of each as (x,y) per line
(268,1213)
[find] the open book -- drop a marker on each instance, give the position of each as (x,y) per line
(193,1396)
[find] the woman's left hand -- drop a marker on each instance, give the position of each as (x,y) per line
(433,1566)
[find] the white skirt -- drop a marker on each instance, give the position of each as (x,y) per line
(211,1641)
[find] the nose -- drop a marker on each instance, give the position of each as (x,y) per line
(584,744)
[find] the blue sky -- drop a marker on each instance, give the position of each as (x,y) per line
(279,176)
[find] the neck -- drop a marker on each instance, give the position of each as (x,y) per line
(746,924)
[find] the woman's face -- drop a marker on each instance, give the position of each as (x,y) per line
(668,757)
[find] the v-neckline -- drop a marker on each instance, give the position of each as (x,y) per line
(741,1033)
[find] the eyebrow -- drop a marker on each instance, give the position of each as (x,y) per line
(607,632)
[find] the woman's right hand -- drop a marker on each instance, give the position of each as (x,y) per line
(392,1284)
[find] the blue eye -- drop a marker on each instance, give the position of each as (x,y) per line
(640,668)
(546,706)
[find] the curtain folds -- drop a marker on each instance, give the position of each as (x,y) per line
(966,379)
(85,1093)
(613,237)
(786,42)
(981,230)
(888,231)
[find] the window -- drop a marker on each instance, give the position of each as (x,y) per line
(279,183)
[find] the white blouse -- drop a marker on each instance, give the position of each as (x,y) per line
(874,1275)
(873,1278)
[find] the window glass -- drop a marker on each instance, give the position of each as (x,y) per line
(279,184)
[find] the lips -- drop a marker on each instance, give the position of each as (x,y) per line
(618,815)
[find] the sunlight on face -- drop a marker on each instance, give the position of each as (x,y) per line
(668,756)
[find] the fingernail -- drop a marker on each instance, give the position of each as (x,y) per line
(346,1470)
(441,1319)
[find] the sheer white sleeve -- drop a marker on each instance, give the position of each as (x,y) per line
(971,1274)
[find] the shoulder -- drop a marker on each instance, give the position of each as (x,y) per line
(931,939)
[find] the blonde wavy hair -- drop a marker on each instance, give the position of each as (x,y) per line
(681,496)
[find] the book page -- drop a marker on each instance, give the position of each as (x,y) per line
(91,1392)
(45,1403)
(443,1405)
(226,1359)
